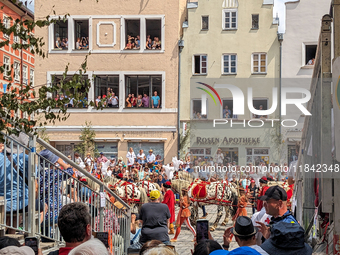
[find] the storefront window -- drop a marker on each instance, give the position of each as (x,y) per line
(257,155)
(200,154)
(66,149)
(158,148)
(110,150)
(230,155)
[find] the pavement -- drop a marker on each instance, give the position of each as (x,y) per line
(185,243)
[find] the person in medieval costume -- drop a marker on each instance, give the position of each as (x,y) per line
(169,200)
(263,189)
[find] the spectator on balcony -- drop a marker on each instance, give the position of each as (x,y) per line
(141,157)
(102,158)
(58,43)
(137,42)
(78,44)
(74,223)
(133,100)
(66,43)
(148,42)
(150,159)
(99,98)
(129,43)
(130,156)
(128,101)
(226,112)
(145,101)
(139,101)
(156,100)
(114,100)
(63,44)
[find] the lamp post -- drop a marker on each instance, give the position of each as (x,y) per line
(280,39)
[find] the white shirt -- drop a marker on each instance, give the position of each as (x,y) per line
(219,158)
(78,160)
(259,249)
(169,171)
(150,158)
(141,159)
(114,100)
(89,161)
(260,216)
(131,158)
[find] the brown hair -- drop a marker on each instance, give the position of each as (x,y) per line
(149,245)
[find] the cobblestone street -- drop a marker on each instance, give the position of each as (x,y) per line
(185,243)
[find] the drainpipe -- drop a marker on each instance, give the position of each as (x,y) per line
(180,46)
(280,38)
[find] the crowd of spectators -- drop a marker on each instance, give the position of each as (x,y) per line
(133,43)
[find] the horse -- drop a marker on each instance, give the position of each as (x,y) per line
(222,193)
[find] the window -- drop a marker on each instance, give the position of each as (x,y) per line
(229,63)
(227,111)
(66,149)
(16,71)
(230,19)
(7,24)
(32,77)
(110,150)
(200,64)
(257,155)
(7,72)
(158,148)
(61,35)
(260,104)
(16,37)
(132,34)
(24,74)
(310,52)
(205,22)
(259,63)
(254,21)
(81,36)
(197,109)
(153,35)
(57,79)
(197,153)
(143,91)
(107,88)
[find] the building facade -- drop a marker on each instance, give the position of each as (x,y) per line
(303,24)
(18,64)
(134,50)
(230,43)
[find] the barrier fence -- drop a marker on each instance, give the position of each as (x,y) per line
(34,187)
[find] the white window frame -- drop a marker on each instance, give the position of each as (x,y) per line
(259,59)
(7,24)
(303,55)
(222,108)
(230,11)
(142,24)
(222,63)
(260,155)
(204,16)
(7,71)
(16,38)
(16,71)
(74,40)
(193,64)
(263,99)
(25,74)
(32,77)
(192,108)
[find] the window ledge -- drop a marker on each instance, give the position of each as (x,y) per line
(198,74)
(307,67)
(204,29)
(254,28)
(259,73)
(229,29)
(228,74)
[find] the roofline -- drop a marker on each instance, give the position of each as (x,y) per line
(20,6)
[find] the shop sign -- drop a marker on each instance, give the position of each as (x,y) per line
(226,140)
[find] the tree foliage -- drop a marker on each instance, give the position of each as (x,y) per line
(27,100)
(87,137)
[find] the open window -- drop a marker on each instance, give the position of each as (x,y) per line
(153,34)
(107,89)
(7,68)
(143,91)
(310,53)
(62,94)
(197,109)
(16,71)
(200,64)
(81,36)
(227,111)
(60,35)
(132,34)
(260,104)
(254,21)
(205,22)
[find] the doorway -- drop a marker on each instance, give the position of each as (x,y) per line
(230,155)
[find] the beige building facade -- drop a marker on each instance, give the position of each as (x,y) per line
(229,42)
(122,59)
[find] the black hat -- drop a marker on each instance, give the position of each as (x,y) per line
(275,192)
(286,238)
(243,227)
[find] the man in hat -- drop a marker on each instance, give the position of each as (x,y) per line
(275,202)
(286,238)
(102,158)
(263,189)
(151,158)
(169,200)
(244,232)
(155,220)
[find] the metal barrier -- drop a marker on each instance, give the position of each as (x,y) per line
(29,181)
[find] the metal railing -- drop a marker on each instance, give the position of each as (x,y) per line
(30,180)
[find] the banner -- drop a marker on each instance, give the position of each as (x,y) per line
(336,106)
